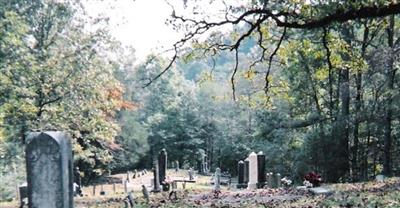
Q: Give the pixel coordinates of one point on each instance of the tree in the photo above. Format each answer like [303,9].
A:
[263,18]
[57,75]
[320,78]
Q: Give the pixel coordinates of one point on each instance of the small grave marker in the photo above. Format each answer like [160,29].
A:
[278,180]
[217,179]
[102,192]
[125,186]
[176,165]
[145,193]
[379,178]
[131,199]
[23,194]
[190,172]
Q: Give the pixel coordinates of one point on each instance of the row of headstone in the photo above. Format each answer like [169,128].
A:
[252,174]
[135,174]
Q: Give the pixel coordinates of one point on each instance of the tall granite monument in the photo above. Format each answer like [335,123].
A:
[261,169]
[162,165]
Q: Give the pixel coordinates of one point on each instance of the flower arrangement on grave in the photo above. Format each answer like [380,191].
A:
[286,181]
[216,193]
[314,178]
[307,184]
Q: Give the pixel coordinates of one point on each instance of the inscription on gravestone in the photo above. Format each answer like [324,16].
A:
[49,170]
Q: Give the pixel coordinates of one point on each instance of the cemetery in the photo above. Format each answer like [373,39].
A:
[199,104]
[53,182]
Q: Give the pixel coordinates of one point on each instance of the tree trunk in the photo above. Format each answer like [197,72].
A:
[357,109]
[387,123]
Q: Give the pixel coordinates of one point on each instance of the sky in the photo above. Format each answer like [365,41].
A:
[141,23]
[137,23]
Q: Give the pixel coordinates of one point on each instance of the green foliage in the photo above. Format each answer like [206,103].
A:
[56,75]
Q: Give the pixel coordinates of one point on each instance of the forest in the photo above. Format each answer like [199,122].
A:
[312,84]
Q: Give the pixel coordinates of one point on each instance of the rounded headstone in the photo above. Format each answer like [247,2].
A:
[49,170]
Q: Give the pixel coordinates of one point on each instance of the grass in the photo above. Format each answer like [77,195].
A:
[200,194]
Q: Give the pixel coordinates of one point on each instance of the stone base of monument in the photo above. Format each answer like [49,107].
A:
[155,190]
[252,186]
[241,186]
[320,191]
[261,185]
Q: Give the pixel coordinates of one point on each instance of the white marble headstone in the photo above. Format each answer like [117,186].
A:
[253,171]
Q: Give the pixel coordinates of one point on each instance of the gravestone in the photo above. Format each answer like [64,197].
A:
[126,203]
[125,186]
[270,180]
[146,195]
[241,172]
[162,165]
[246,171]
[23,194]
[379,178]
[128,175]
[102,192]
[261,169]
[217,179]
[134,174]
[203,164]
[156,180]
[49,170]
[278,180]
[200,167]
[191,174]
[78,181]
[206,168]
[94,190]
[131,199]
[253,171]
[176,165]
